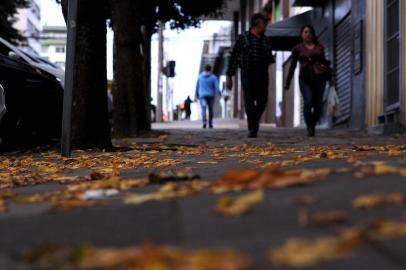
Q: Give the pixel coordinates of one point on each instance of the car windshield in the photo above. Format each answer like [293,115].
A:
[32,58]
[39,60]
[43,61]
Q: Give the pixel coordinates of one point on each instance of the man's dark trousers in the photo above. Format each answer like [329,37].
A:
[255,87]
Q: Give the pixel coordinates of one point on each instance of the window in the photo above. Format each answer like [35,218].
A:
[392,54]
[60,49]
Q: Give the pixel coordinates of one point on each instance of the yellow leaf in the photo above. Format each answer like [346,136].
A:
[228,206]
[376,200]
[305,253]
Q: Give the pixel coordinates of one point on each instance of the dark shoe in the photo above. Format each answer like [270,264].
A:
[252,134]
[210,126]
[311,131]
[204,126]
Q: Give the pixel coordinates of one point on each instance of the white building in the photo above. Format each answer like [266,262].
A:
[29,24]
[53,42]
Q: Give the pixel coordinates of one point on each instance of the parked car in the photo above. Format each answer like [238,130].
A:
[8,49]
[34,101]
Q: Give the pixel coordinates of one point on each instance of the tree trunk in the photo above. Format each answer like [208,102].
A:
[90,126]
[130,90]
[147,39]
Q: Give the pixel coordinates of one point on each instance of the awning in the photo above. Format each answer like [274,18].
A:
[284,35]
[307,3]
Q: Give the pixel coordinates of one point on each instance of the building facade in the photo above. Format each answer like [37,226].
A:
[365,41]
[385,65]
[29,24]
[53,43]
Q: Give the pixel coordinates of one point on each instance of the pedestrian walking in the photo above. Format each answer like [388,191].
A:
[187,106]
[206,89]
[314,73]
[252,52]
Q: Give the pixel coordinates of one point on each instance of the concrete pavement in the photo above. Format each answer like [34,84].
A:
[192,223]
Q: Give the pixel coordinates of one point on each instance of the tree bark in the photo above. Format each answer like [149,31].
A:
[131,96]
[90,126]
[145,122]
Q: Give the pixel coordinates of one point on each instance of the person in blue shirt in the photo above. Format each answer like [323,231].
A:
[206,89]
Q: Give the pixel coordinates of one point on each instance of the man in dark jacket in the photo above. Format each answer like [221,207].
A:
[188,110]
[253,54]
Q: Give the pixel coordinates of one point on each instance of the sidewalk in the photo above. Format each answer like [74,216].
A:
[197,124]
[191,222]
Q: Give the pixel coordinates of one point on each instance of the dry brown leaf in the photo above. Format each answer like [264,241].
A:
[321,218]
[74,195]
[378,169]
[395,153]
[251,161]
[173,176]
[64,206]
[306,253]
[276,179]
[305,200]
[168,191]
[4,196]
[383,229]
[369,148]
[376,200]
[209,162]
[237,206]
[145,257]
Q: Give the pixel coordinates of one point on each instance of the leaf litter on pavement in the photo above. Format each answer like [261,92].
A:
[105,170]
[302,252]
[144,257]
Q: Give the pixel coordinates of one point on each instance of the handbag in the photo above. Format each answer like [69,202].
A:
[333,103]
[320,70]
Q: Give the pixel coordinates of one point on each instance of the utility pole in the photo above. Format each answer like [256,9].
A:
[159,109]
[70,78]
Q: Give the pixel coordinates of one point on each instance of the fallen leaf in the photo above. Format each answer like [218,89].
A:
[172,176]
[378,169]
[275,179]
[168,191]
[305,200]
[306,253]
[383,229]
[376,200]
[321,218]
[4,196]
[229,206]
[64,206]
[369,148]
[145,257]
[209,162]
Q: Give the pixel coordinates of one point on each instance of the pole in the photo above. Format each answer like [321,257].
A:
[160,70]
[66,139]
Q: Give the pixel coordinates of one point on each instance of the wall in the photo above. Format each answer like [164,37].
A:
[374,61]
[357,120]
[403,93]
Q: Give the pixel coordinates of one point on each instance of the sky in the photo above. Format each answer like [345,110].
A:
[51,13]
